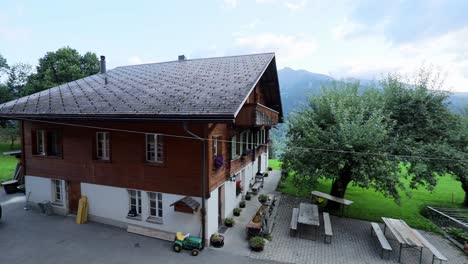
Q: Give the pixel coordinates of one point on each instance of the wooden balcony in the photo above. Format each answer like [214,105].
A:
[257,115]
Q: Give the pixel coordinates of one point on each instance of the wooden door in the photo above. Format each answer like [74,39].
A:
[74,195]
[220,204]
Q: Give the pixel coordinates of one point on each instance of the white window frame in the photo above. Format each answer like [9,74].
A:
[105,146]
[156,147]
[40,142]
[234,147]
[215,146]
[57,192]
[134,194]
[241,142]
[158,207]
[262,136]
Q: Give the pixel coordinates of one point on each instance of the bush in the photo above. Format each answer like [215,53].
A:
[229,222]
[242,204]
[458,234]
[237,211]
[257,243]
[263,198]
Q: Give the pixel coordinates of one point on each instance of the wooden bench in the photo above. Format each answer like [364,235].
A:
[256,187]
[435,253]
[328,228]
[293,227]
[382,239]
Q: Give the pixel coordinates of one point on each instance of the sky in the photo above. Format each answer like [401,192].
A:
[359,39]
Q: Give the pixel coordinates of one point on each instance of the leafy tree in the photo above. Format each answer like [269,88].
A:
[342,119]
[10,132]
[18,75]
[3,64]
[62,66]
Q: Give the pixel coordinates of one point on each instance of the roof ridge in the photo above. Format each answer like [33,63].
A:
[208,58]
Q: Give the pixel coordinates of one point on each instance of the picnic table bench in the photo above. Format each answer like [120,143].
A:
[435,253]
[308,215]
[293,226]
[341,201]
[381,237]
[328,228]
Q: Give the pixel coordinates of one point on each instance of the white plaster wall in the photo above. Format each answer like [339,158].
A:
[231,201]
[264,162]
[112,203]
[212,213]
[40,190]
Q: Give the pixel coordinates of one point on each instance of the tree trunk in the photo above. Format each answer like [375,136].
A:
[339,188]
[465,188]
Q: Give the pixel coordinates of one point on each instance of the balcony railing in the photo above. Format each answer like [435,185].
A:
[257,115]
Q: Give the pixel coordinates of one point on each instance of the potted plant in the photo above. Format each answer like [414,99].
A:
[229,222]
[265,174]
[217,240]
[242,204]
[238,188]
[218,162]
[270,168]
[256,243]
[263,198]
[247,197]
[237,211]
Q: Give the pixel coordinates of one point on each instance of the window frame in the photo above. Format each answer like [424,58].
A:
[158,148]
[57,188]
[138,204]
[106,146]
[158,207]
[41,147]
[215,146]
[234,154]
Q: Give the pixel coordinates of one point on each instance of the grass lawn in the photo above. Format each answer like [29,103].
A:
[371,205]
[7,163]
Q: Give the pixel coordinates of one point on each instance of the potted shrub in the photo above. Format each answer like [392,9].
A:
[256,243]
[265,175]
[217,240]
[238,188]
[229,222]
[270,168]
[242,204]
[263,198]
[247,197]
[237,211]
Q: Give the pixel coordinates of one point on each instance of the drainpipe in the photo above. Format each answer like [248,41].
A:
[203,209]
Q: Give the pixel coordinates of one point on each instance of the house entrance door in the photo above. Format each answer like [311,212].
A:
[74,195]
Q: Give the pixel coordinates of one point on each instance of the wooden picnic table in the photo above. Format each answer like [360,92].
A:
[308,215]
[405,235]
[341,201]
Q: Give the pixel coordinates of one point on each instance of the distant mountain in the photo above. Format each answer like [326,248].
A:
[296,85]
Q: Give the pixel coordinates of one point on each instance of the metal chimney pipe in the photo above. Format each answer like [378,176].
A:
[103,64]
[182,58]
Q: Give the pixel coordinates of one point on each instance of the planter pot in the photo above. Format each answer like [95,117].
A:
[236,214]
[228,224]
[247,198]
[242,206]
[218,243]
[257,249]
[265,175]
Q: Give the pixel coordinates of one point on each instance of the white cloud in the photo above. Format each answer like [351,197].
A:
[442,52]
[295,5]
[230,3]
[288,47]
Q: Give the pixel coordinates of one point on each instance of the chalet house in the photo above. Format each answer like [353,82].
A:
[158,145]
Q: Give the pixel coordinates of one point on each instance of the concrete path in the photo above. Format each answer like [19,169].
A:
[29,237]
[236,237]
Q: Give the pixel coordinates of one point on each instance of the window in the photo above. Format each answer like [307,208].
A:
[242,142]
[252,134]
[102,146]
[155,206]
[47,143]
[215,146]
[247,136]
[40,142]
[135,201]
[262,136]
[154,148]
[233,147]
[57,192]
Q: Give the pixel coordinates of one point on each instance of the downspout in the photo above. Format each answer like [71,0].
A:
[203,209]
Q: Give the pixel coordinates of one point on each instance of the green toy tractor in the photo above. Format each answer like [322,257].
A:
[187,242]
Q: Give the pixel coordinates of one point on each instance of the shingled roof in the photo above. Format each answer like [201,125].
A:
[211,88]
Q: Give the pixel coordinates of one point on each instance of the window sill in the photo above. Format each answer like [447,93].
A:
[47,156]
[154,164]
[236,158]
[154,220]
[137,218]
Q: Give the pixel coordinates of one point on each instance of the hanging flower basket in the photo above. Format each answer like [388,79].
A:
[218,162]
